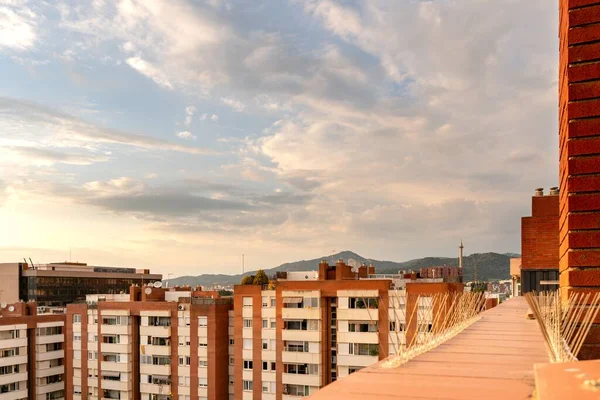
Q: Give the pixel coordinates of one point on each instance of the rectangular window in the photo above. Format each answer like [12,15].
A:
[77,338]
[247,323]
[364,349]
[247,386]
[76,318]
[273,323]
[248,364]
[363,302]
[265,344]
[202,321]
[273,301]
[203,363]
[265,323]
[231,360]
[265,387]
[265,366]
[203,382]
[296,390]
[362,326]
[247,301]
[247,345]
[265,302]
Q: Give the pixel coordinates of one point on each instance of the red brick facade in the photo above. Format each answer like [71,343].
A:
[539,234]
[579,124]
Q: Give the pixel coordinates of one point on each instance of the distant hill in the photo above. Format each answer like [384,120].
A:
[490,266]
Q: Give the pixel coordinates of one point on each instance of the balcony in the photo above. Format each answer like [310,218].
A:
[10,343]
[300,335]
[115,329]
[148,349]
[115,366]
[42,373]
[301,313]
[17,395]
[358,314]
[10,378]
[50,355]
[301,358]
[20,359]
[301,379]
[50,339]
[155,389]
[493,359]
[115,385]
[115,348]
[156,331]
[151,369]
[53,387]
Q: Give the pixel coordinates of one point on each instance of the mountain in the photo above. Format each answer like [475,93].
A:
[490,266]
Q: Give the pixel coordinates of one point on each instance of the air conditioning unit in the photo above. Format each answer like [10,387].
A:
[181,307]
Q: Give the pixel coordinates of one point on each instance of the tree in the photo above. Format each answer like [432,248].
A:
[247,280]
[261,278]
[225,293]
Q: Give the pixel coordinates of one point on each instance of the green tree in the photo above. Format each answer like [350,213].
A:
[261,278]
[225,293]
[247,280]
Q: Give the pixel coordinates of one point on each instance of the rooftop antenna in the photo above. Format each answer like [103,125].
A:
[31,262]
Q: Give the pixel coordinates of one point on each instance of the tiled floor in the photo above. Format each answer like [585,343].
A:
[492,359]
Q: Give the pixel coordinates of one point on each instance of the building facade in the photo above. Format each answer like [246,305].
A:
[58,284]
[539,243]
[153,344]
[311,329]
[32,352]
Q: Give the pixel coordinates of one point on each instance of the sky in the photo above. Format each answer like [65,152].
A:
[177,135]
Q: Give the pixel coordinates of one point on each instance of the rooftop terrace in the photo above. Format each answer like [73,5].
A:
[493,359]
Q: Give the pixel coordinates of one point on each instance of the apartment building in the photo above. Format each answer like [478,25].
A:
[313,328]
[31,352]
[152,344]
[57,284]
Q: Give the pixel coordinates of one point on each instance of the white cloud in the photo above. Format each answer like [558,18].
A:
[152,175]
[203,117]
[189,114]
[214,117]
[147,69]
[17,27]
[186,135]
[235,104]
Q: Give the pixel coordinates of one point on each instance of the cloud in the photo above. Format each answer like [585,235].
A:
[152,175]
[47,156]
[185,135]
[235,104]
[189,113]
[214,117]
[22,120]
[17,27]
[150,71]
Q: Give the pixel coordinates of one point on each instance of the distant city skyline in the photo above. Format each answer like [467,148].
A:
[178,135]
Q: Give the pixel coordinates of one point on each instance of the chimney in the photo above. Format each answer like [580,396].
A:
[539,192]
[554,191]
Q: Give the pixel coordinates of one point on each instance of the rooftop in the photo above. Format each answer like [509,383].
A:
[493,359]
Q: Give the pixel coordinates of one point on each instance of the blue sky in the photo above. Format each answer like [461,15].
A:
[179,134]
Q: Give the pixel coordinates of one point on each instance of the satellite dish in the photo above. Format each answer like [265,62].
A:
[11,308]
[148,290]
[3,305]
[157,284]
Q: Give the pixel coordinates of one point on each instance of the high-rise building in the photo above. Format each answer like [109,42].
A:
[31,352]
[58,284]
[579,143]
[539,243]
[310,328]
[152,344]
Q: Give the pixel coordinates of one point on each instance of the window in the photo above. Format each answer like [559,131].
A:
[313,324]
[273,301]
[265,387]
[202,321]
[76,389]
[364,349]
[247,323]
[265,344]
[181,380]
[265,323]
[231,360]
[76,318]
[301,369]
[296,390]
[247,301]
[202,382]
[49,331]
[203,363]
[293,302]
[247,345]
[77,337]
[301,325]
[311,302]
[354,369]
[159,321]
[362,326]
[231,341]
[295,346]
[9,369]
[77,354]
[363,302]
[248,364]
[247,386]
[265,366]
[273,323]
[392,326]
[184,360]
[265,302]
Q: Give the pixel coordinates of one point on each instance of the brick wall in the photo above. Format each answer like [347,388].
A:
[579,124]
[539,234]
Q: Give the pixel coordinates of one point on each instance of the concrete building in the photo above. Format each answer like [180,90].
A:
[579,143]
[31,352]
[153,344]
[316,327]
[58,284]
[539,243]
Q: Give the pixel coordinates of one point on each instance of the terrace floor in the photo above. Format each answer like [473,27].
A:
[491,359]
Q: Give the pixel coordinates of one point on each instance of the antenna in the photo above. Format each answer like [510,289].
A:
[31,262]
